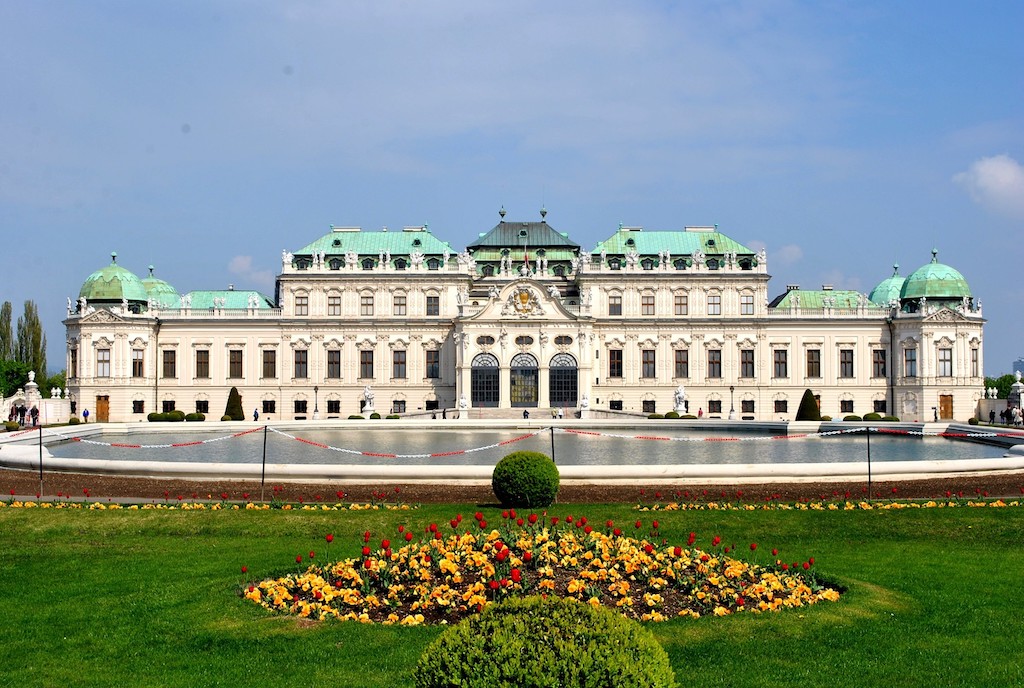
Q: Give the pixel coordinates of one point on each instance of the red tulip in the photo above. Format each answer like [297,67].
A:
[648,548]
[453,523]
[298,558]
[483,524]
[312,554]
[516,576]
[366,536]
[807,565]
[691,539]
[608,523]
[408,536]
[493,585]
[478,516]
[329,538]
[368,564]
[740,601]
[504,514]
[587,530]
[677,551]
[519,521]
[401,529]
[568,519]
[366,551]
[617,532]
[245,569]
[532,519]
[527,556]
[385,543]
[654,524]
[753,546]
[715,541]
[775,552]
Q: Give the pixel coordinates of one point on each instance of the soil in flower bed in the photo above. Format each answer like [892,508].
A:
[103,487]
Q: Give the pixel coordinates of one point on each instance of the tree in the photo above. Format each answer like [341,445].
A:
[808,407]
[6,335]
[58,380]
[1002,384]
[13,376]
[234,408]
[30,347]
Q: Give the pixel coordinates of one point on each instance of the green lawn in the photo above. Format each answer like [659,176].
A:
[150,598]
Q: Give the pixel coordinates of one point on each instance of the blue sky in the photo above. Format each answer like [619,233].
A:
[205,137]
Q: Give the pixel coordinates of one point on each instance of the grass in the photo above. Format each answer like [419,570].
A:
[99,598]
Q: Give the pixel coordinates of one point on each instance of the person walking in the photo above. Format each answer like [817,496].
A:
[255,414]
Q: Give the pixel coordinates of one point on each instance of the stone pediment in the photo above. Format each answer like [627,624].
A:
[523,299]
[947,315]
[101,316]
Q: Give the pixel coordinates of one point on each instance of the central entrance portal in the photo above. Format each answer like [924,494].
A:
[524,381]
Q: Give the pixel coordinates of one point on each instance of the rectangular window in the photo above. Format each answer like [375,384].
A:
[366,304]
[879,406]
[746,304]
[269,406]
[714,304]
[169,364]
[235,363]
[334,364]
[945,363]
[648,364]
[202,406]
[269,364]
[910,363]
[615,405]
[333,305]
[398,406]
[138,406]
[300,407]
[682,305]
[714,406]
[202,364]
[747,406]
[781,406]
[166,406]
[615,363]
[333,407]
[975,363]
[102,362]
[781,362]
[846,363]
[682,363]
[366,365]
[74,363]
[433,363]
[138,363]
[399,304]
[649,406]
[614,304]
[746,363]
[846,406]
[301,305]
[301,364]
[647,304]
[433,305]
[878,363]
[714,363]
[398,365]
[814,363]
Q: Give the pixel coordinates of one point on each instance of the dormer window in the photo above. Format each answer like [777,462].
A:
[400,264]
[630,242]
[712,263]
[334,264]
[614,264]
[417,242]
[367,263]
[488,271]
[433,264]
[680,264]
[647,264]
[336,242]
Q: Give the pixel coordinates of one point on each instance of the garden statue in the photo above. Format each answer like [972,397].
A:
[680,399]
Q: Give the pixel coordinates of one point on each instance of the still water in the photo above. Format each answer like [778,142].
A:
[569,448]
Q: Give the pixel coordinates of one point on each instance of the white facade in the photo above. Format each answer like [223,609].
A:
[588,332]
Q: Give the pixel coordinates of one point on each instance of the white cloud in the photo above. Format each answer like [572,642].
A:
[258,279]
[995,183]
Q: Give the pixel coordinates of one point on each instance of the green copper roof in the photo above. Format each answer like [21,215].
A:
[114,284]
[935,281]
[341,240]
[232,299]
[889,288]
[678,243]
[815,299]
[512,235]
[160,292]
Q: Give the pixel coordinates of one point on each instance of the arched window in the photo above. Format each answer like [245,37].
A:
[524,381]
[485,386]
[563,386]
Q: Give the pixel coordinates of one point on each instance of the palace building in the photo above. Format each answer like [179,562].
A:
[524,318]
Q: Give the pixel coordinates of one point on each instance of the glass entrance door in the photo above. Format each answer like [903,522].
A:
[524,392]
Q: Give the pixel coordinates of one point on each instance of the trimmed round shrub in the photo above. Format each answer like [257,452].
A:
[972,421]
[688,416]
[672,414]
[852,417]
[11,425]
[525,479]
[656,416]
[873,416]
[356,416]
[225,417]
[393,416]
[73,420]
[374,416]
[175,416]
[826,418]
[890,419]
[155,417]
[533,642]
[194,417]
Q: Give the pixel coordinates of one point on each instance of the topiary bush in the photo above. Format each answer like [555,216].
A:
[225,417]
[11,425]
[852,417]
[672,414]
[73,420]
[688,416]
[525,479]
[808,407]
[826,418]
[234,411]
[155,417]
[194,417]
[873,416]
[356,416]
[533,642]
[890,419]
[393,416]
[655,416]
[374,416]
[175,416]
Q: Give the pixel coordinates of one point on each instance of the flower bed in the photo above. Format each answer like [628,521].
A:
[441,577]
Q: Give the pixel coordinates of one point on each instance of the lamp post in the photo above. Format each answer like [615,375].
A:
[316,405]
[732,406]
